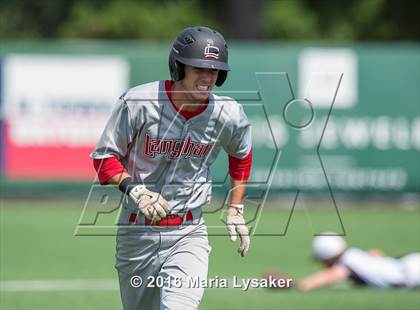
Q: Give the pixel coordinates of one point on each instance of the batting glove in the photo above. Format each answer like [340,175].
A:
[236,226]
[151,204]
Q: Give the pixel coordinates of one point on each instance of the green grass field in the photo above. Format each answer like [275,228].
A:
[37,243]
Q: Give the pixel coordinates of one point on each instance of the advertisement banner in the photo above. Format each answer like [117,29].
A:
[354,124]
[345,117]
[55,108]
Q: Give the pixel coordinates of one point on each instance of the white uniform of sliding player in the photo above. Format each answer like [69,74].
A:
[382,271]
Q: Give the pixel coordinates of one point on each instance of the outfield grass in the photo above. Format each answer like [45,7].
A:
[37,243]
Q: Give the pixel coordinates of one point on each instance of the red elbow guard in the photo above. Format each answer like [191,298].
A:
[106,168]
[240,168]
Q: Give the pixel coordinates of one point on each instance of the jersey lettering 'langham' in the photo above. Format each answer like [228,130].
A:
[173,149]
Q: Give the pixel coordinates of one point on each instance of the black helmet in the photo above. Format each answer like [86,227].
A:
[200,47]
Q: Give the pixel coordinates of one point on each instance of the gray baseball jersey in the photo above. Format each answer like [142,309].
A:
[166,152]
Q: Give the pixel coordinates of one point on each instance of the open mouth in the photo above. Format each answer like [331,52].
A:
[203,87]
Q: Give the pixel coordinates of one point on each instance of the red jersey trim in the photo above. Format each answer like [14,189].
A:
[106,168]
[185,114]
[240,168]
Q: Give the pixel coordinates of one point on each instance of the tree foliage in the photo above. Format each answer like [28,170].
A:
[132,19]
[348,20]
[342,20]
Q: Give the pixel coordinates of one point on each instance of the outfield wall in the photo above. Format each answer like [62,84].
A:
[56,97]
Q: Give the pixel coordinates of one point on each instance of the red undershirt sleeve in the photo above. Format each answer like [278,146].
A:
[106,168]
[240,168]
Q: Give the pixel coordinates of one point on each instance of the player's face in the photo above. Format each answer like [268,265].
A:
[331,262]
[199,82]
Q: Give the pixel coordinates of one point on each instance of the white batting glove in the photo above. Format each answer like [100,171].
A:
[151,204]
[236,226]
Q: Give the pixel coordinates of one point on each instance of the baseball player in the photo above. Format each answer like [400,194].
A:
[367,268]
[157,148]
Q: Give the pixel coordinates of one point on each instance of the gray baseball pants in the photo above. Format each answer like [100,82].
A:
[164,258]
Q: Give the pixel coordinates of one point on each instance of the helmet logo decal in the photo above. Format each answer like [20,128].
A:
[211,51]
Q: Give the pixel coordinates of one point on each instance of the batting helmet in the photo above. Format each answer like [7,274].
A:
[327,246]
[200,47]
